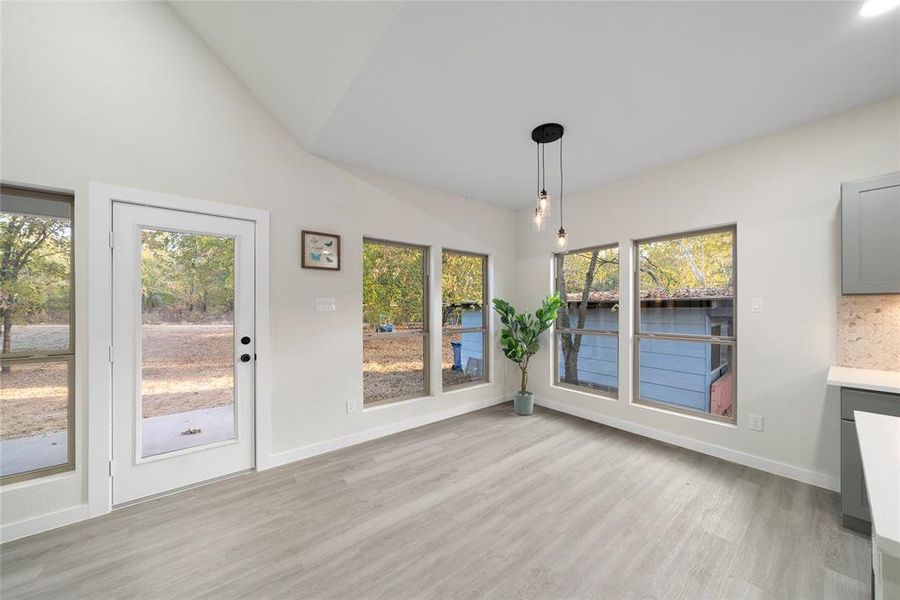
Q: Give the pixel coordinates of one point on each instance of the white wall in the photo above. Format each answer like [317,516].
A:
[124,93]
[783,192]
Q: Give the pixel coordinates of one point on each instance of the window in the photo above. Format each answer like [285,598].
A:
[684,322]
[587,329]
[464,318]
[37,365]
[395,321]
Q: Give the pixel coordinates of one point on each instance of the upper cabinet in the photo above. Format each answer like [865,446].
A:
[870,235]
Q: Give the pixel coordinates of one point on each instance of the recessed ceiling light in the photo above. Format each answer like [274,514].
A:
[873,8]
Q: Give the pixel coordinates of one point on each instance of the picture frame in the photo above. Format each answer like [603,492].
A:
[319,250]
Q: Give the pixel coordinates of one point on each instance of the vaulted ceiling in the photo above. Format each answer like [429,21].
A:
[446,93]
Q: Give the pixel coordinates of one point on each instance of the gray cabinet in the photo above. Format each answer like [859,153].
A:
[854,500]
[870,235]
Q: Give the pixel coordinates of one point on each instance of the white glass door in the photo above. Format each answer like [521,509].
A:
[183,349]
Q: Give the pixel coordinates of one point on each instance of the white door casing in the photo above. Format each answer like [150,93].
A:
[137,472]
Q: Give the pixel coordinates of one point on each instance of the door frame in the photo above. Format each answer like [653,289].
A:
[99,402]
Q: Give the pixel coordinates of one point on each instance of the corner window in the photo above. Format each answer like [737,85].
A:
[587,329]
[684,342]
[37,365]
[464,318]
[395,321]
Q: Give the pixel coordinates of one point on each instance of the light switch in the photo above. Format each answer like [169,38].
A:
[756,304]
[325,305]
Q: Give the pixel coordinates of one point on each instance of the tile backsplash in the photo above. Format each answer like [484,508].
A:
[869,332]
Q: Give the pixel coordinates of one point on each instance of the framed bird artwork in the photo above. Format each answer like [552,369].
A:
[320,250]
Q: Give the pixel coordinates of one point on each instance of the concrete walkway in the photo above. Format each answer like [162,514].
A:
[160,435]
[36,452]
[164,434]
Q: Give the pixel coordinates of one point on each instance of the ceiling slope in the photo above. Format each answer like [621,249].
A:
[445,94]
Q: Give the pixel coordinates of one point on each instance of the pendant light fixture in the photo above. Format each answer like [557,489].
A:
[542,135]
[540,212]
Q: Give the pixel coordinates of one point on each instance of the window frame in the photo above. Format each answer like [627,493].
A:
[425,334]
[637,335]
[558,258]
[485,315]
[68,355]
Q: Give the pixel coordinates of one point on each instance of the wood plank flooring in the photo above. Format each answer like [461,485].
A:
[484,505]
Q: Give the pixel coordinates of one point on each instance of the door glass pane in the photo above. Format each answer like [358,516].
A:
[462,357]
[687,284]
[187,340]
[34,416]
[686,374]
[589,361]
[35,272]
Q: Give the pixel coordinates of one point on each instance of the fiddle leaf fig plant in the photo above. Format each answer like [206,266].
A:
[521,332]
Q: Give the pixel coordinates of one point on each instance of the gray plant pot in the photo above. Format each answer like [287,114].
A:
[523,403]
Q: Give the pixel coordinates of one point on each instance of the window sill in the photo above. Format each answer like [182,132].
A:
[465,387]
[584,392]
[398,402]
[61,475]
[685,413]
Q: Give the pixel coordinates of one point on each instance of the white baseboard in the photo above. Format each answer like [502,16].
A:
[736,456]
[289,456]
[39,524]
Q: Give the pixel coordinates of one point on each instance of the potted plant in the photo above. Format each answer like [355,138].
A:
[520,340]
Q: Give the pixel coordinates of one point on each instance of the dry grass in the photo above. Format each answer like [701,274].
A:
[186,367]
[33,399]
[392,368]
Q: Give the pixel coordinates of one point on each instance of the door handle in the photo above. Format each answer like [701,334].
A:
[245,358]
[245,340]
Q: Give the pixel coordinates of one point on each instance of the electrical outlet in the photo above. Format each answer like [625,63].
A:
[351,405]
[756,423]
[757,305]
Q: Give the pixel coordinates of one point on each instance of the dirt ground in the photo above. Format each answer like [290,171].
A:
[186,367]
[393,368]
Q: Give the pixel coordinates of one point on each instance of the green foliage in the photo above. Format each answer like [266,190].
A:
[187,277]
[462,283]
[520,335]
[599,267]
[34,268]
[393,284]
[698,261]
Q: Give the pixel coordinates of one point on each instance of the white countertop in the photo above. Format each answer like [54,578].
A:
[879,444]
[865,379]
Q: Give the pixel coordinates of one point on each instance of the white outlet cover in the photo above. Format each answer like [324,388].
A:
[756,423]
[756,305]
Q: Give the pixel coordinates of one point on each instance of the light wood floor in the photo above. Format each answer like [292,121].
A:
[484,505]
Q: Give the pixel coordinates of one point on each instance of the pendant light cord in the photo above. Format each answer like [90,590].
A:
[543,169]
[538,148]
[560,185]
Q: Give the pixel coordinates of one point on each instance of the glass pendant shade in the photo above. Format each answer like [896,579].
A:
[538,220]
[544,201]
[562,240]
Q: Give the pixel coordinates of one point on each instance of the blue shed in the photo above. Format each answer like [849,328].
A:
[468,315]
[680,373]
[472,345]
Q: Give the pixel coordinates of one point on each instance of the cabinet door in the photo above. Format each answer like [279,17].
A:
[854,500]
[879,403]
[870,235]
